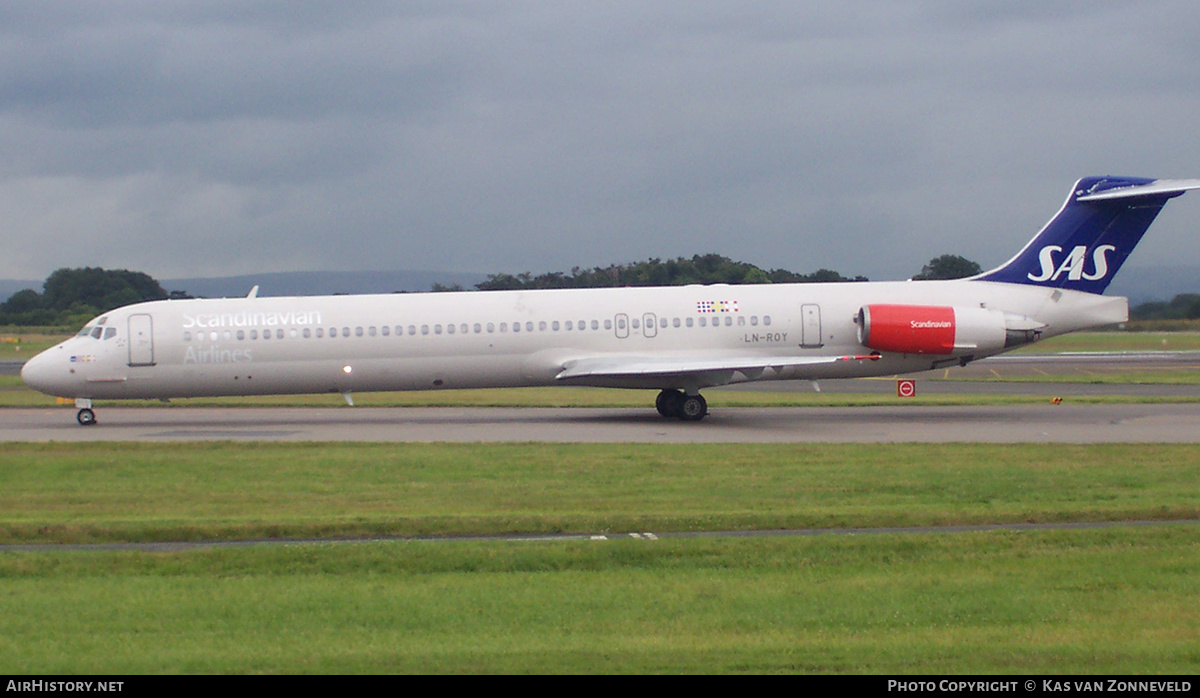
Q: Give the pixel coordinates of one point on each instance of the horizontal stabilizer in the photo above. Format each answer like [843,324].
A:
[1170,187]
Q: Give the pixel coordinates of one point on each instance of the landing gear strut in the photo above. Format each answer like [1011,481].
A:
[674,403]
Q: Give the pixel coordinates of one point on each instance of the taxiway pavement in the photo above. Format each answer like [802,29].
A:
[1078,423]
[1105,423]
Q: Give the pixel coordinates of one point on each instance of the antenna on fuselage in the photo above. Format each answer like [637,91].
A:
[253,292]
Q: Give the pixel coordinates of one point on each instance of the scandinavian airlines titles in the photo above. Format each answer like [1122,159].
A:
[248,319]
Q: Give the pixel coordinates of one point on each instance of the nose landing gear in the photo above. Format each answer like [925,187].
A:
[85,416]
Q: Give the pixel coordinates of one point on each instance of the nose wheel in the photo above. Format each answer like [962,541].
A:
[85,416]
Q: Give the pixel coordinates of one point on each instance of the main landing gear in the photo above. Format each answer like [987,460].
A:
[675,403]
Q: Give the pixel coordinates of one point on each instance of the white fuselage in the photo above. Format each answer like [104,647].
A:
[343,344]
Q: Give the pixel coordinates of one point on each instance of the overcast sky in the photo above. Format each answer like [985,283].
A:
[214,138]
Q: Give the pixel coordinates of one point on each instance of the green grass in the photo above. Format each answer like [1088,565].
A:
[1117,341]
[1156,377]
[62,492]
[1112,601]
[16,344]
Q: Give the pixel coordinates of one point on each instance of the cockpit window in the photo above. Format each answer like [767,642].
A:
[96,332]
[85,331]
[110,332]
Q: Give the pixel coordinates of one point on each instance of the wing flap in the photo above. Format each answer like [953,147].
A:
[647,366]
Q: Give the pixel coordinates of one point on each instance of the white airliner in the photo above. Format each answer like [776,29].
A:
[678,340]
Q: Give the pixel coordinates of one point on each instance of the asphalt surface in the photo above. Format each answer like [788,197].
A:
[175,546]
[1046,422]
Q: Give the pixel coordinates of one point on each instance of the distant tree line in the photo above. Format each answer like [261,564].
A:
[73,296]
[1185,306]
[699,269]
[948,266]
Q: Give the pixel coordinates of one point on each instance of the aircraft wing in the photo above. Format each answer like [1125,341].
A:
[640,366]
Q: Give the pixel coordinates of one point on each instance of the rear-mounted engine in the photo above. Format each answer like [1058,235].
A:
[941,330]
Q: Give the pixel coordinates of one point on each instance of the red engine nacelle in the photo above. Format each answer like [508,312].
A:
[930,329]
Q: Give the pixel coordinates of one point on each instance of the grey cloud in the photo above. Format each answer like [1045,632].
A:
[190,138]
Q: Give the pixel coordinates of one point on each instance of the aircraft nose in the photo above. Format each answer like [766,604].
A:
[48,372]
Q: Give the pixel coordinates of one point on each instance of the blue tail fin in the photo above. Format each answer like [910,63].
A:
[1083,246]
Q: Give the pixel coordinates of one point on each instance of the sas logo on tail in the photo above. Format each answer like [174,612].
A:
[1073,264]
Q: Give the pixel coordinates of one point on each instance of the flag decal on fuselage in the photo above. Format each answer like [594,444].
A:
[716,306]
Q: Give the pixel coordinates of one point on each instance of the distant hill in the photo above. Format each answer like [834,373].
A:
[299,283]
[320,283]
[1139,284]
[1157,283]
